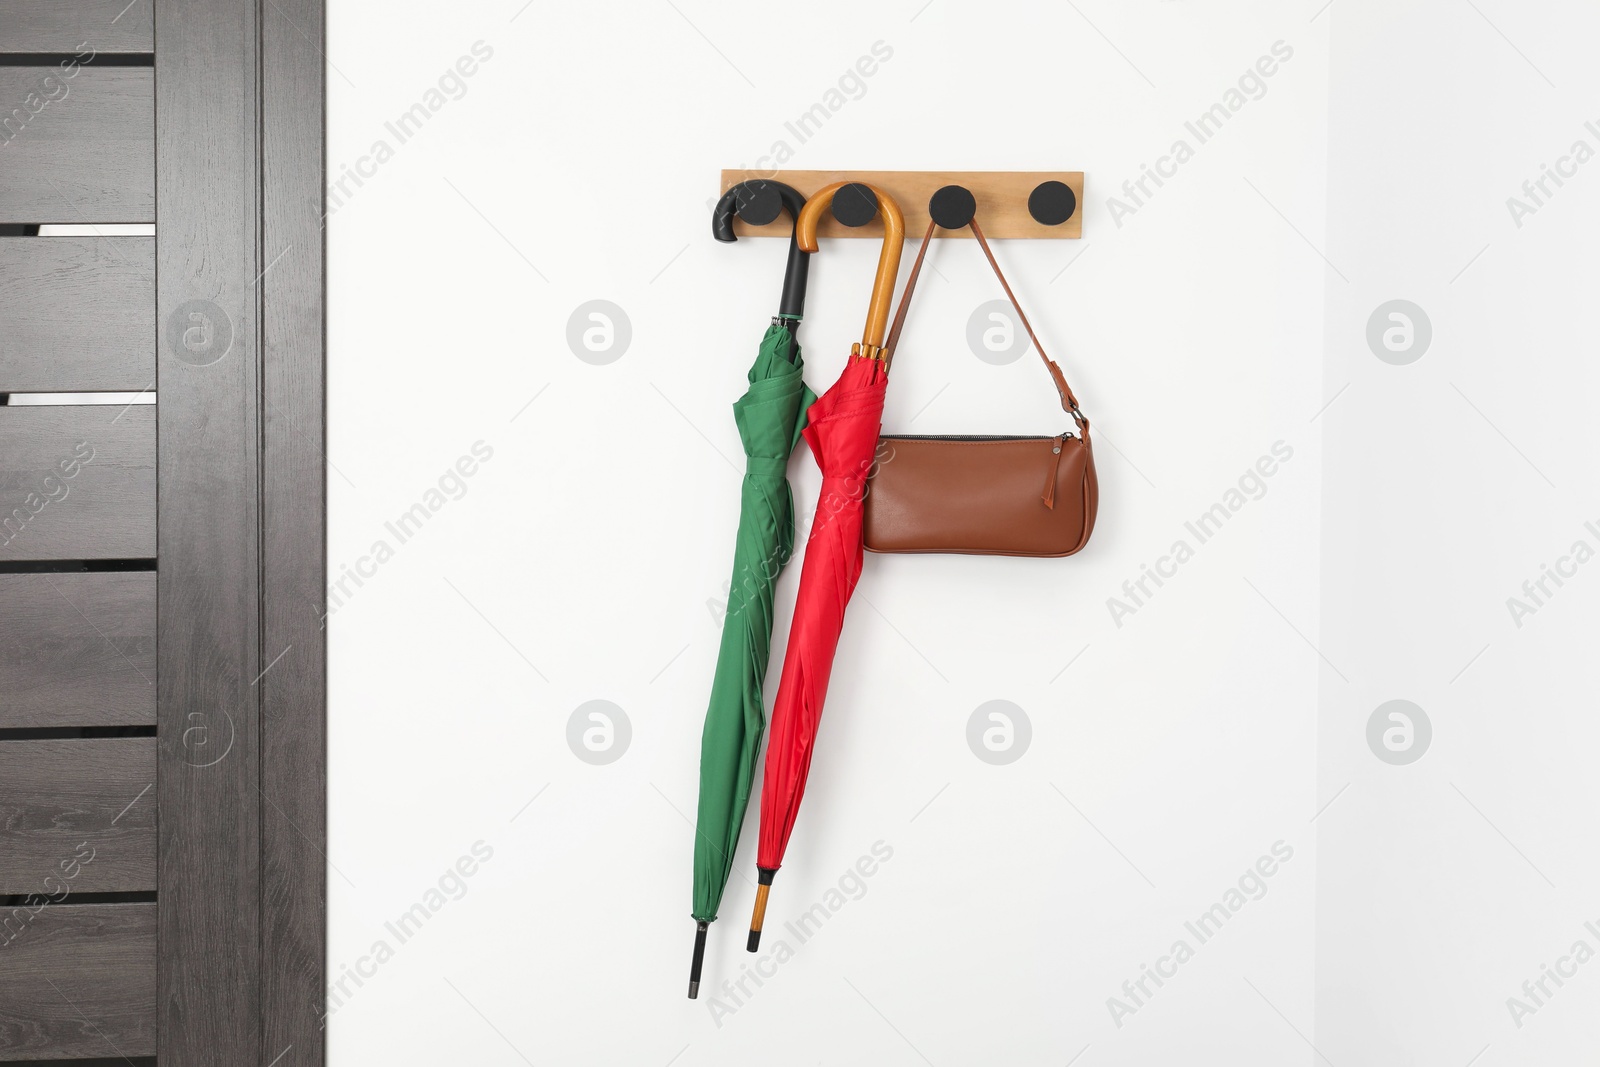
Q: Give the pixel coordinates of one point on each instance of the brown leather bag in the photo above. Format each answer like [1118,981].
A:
[982,495]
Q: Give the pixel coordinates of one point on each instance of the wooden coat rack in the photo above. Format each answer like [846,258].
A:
[1010,203]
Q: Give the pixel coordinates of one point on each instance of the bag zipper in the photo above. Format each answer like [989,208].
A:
[978,437]
[1058,443]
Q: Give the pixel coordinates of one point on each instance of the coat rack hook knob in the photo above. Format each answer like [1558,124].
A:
[855,205]
[759,203]
[952,207]
[1052,203]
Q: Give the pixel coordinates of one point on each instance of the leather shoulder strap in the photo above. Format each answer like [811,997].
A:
[1069,402]
[905,299]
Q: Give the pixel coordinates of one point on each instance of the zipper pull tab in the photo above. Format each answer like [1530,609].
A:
[1055,469]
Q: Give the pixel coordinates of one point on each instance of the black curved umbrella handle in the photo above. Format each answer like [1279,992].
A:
[758,202]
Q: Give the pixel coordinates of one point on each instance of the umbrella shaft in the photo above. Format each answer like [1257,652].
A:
[758,917]
[699,959]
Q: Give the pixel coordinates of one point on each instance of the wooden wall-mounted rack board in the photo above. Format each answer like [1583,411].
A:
[1011,203]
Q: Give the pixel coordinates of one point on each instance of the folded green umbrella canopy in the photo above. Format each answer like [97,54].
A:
[770,416]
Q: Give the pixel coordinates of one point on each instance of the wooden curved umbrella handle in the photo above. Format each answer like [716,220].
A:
[894,233]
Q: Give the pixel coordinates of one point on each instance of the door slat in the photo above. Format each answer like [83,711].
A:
[77,981]
[78,149]
[77,816]
[77,483]
[67,27]
[78,649]
[77,314]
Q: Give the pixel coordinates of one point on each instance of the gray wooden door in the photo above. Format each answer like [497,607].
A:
[162,696]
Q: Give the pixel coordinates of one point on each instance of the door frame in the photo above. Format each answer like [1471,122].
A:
[241,675]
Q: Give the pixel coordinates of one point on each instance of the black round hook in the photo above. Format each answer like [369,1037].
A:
[758,202]
[1052,203]
[952,207]
[855,205]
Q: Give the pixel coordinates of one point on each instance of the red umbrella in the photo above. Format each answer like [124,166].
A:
[842,430]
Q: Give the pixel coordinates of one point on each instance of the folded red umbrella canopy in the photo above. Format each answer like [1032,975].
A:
[842,430]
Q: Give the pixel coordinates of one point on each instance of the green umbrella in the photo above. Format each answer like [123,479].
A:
[770,416]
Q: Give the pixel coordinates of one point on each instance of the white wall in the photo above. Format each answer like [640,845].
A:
[1445,884]
[1173,752]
